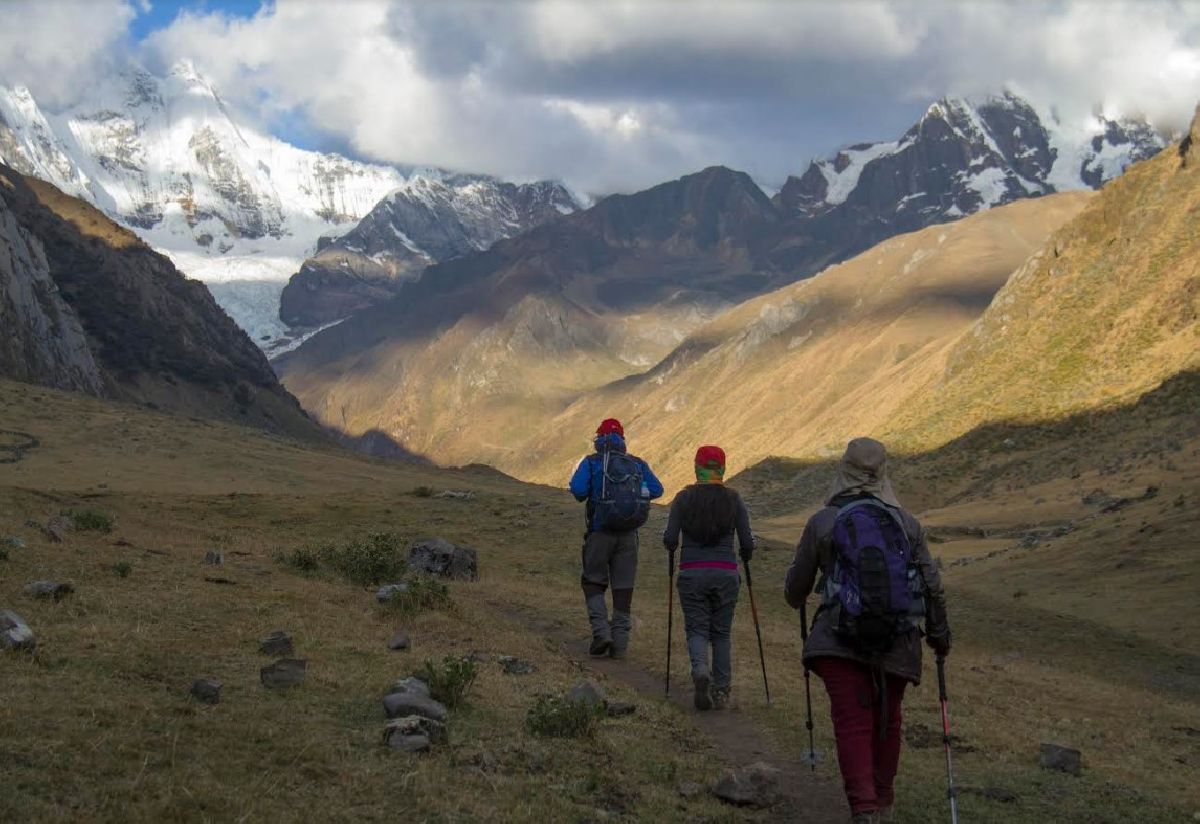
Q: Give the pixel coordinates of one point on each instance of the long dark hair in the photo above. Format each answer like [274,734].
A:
[708,512]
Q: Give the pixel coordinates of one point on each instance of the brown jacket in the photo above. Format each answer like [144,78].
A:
[814,554]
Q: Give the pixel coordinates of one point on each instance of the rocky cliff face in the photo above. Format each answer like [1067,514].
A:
[95,309]
[427,221]
[43,341]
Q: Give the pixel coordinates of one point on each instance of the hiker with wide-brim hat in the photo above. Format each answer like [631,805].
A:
[617,488]
[707,515]
[878,583]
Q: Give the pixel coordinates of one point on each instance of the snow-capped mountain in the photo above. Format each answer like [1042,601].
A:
[428,221]
[964,156]
[229,204]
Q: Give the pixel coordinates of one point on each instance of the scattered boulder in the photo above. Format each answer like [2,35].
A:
[587,692]
[278,643]
[455,495]
[408,743]
[1063,759]
[13,542]
[284,673]
[387,591]
[689,789]
[15,634]
[410,686]
[754,786]
[400,641]
[55,590]
[58,527]
[480,657]
[516,666]
[436,556]
[619,709]
[409,725]
[214,558]
[401,704]
[206,690]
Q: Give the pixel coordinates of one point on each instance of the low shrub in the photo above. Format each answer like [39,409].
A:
[553,716]
[423,491]
[122,569]
[378,558]
[425,593]
[91,520]
[450,682]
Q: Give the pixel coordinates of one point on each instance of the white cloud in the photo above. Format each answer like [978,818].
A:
[621,94]
[58,48]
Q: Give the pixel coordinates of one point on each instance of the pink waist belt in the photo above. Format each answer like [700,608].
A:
[709,565]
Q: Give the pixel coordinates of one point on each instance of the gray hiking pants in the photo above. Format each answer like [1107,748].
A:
[610,559]
[708,598]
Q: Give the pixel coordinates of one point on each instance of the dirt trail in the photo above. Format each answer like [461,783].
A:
[808,797]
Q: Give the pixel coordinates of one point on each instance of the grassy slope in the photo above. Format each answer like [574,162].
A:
[98,725]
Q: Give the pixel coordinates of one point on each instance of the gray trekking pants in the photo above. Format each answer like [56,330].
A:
[610,559]
[708,598]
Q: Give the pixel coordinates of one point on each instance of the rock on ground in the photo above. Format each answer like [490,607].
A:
[1063,759]
[408,743]
[689,789]
[400,641]
[14,632]
[516,666]
[410,725]
[13,542]
[410,686]
[206,690]
[48,589]
[619,709]
[57,528]
[278,643]
[284,673]
[401,704]
[385,592]
[587,692]
[756,785]
[440,557]
[213,558]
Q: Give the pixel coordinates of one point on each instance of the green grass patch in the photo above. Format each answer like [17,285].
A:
[375,559]
[91,520]
[122,569]
[425,594]
[451,681]
[553,716]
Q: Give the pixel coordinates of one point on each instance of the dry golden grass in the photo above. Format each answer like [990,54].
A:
[98,725]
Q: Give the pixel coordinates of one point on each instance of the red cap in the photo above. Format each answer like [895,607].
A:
[710,457]
[610,425]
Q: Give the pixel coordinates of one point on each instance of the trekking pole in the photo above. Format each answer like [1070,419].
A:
[941,670]
[757,629]
[812,752]
[670,614]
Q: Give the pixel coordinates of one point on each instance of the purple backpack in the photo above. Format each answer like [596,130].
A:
[875,592]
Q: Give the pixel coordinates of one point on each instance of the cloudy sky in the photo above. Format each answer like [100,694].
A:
[616,95]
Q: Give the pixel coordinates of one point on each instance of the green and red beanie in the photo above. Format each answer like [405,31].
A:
[710,465]
[610,426]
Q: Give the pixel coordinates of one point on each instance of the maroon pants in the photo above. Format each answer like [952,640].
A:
[868,761]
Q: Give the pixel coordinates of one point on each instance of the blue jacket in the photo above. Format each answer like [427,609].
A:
[589,475]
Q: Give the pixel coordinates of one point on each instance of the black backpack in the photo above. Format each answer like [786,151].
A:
[622,504]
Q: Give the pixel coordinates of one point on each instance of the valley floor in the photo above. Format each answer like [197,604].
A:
[1051,645]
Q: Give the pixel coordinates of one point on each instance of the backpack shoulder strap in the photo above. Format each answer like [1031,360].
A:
[892,512]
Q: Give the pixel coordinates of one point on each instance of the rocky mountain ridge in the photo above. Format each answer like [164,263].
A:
[231,205]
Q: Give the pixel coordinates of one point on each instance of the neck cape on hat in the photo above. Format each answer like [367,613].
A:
[863,470]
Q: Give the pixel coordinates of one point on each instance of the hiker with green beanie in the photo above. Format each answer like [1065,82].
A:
[878,584]
[707,514]
[617,488]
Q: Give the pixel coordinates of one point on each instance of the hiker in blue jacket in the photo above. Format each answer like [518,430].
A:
[618,488]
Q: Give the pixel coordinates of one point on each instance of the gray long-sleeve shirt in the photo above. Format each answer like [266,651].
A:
[718,554]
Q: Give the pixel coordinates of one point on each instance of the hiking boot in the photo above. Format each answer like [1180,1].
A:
[871,817]
[617,653]
[887,815]
[703,699]
[720,697]
[600,647]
